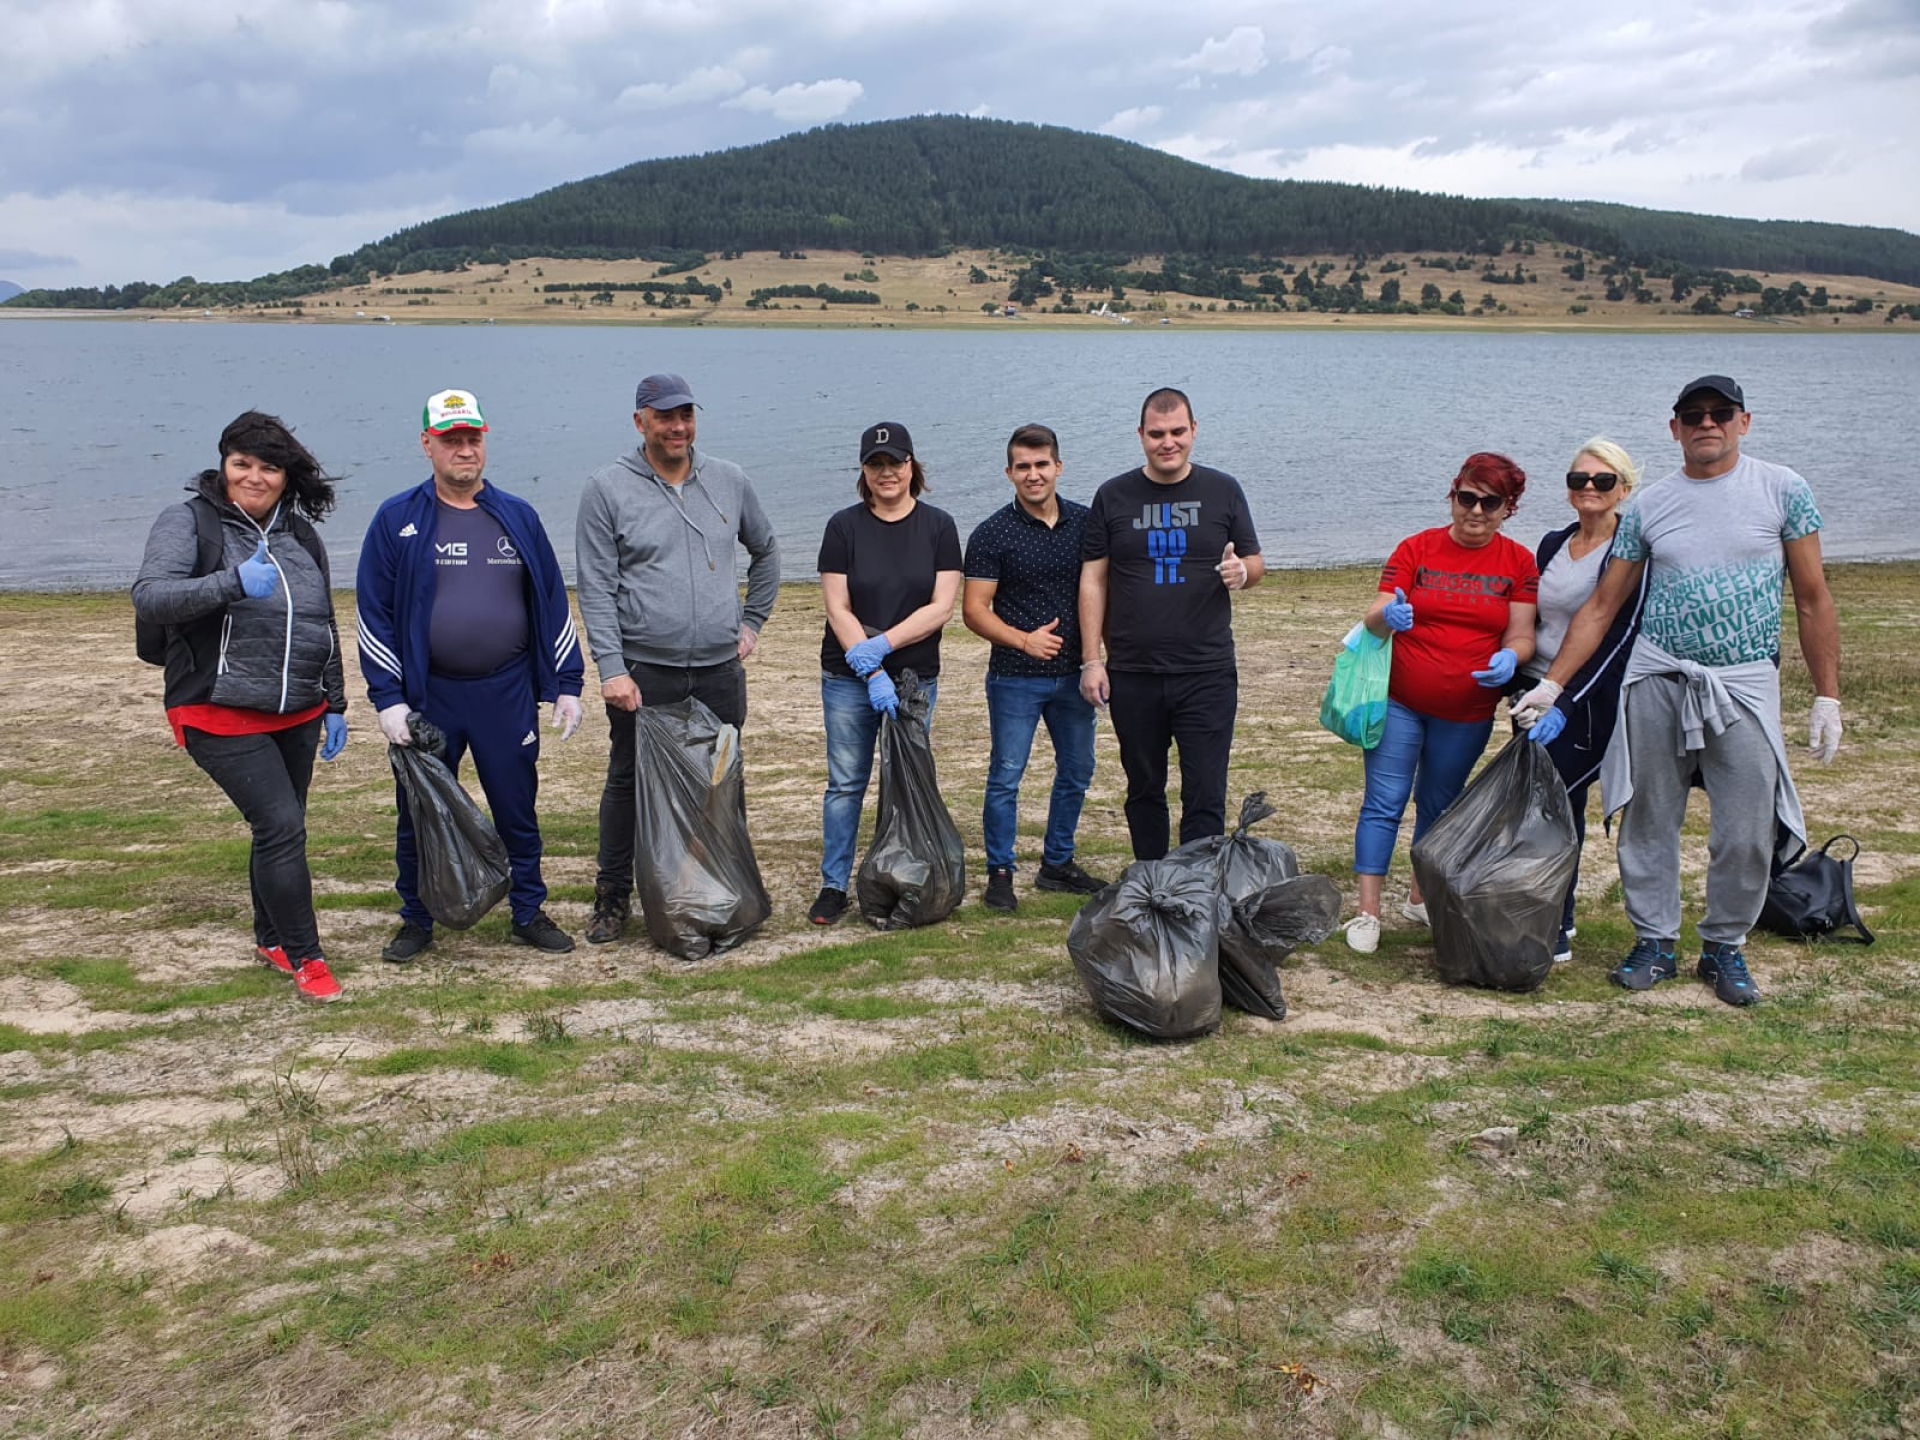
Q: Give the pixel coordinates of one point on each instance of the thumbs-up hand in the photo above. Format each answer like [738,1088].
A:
[1044,642]
[259,575]
[1232,569]
[1399,611]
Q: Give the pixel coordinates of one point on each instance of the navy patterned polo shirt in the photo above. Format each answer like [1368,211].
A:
[1037,571]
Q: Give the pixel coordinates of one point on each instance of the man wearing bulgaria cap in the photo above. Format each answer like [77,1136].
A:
[464,618]
[657,543]
[1700,698]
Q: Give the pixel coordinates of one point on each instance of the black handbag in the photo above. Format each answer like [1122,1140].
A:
[1812,899]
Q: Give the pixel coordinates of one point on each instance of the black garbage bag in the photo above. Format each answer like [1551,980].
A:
[915,870]
[1148,946]
[463,870]
[1272,910]
[699,883]
[1495,870]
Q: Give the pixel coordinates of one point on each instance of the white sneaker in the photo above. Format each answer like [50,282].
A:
[1416,911]
[1363,933]
[1572,931]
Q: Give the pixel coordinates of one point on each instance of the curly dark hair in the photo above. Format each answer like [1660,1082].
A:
[266,437]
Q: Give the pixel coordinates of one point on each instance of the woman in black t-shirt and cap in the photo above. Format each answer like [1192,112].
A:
[889,575]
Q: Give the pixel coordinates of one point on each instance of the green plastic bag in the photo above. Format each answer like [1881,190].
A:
[1355,705]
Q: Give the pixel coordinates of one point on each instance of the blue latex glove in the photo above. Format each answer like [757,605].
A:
[881,694]
[1399,611]
[258,575]
[865,657]
[1548,727]
[336,735]
[1499,669]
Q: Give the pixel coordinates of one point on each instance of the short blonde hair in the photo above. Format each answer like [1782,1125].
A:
[1614,457]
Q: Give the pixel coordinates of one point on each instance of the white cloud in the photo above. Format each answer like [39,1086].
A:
[799,104]
[1129,121]
[1242,52]
[712,82]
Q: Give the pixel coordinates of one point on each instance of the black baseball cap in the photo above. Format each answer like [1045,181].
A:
[886,438]
[1719,384]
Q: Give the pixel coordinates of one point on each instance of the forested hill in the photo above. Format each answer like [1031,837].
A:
[909,187]
[925,185]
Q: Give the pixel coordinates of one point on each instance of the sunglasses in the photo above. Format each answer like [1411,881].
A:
[1719,414]
[1469,499]
[1601,480]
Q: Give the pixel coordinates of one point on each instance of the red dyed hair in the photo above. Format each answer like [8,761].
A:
[1492,474]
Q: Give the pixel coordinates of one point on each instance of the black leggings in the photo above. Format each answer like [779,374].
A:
[266,777]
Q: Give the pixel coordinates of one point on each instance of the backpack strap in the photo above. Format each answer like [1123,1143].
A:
[206,530]
[1865,937]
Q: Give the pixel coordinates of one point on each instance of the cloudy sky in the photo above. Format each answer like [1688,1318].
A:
[225,138]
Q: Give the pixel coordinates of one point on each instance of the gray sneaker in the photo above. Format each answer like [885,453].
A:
[1725,968]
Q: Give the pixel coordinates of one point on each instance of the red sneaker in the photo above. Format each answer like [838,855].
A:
[276,957]
[314,981]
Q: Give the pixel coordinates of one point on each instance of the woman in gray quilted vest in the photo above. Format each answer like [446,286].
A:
[238,583]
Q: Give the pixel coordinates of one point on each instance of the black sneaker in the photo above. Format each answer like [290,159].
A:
[541,933]
[1646,965]
[407,942]
[1725,968]
[610,911]
[1000,894]
[828,906]
[1069,878]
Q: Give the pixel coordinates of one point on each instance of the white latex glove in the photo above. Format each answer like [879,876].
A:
[1823,729]
[393,724]
[566,715]
[1535,703]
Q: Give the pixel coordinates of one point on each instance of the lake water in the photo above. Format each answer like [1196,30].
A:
[1345,441]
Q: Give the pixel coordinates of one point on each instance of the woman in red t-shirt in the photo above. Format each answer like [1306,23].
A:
[1459,601]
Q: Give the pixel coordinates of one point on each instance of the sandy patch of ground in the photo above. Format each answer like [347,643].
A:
[43,1006]
[150,1193]
[161,1119]
[179,1252]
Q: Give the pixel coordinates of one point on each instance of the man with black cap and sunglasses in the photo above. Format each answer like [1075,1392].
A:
[656,546]
[1701,694]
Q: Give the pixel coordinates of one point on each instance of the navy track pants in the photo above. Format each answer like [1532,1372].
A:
[497,718]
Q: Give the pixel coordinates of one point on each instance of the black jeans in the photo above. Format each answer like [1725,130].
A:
[266,777]
[1152,712]
[721,688]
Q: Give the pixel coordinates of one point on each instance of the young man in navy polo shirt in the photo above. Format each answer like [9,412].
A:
[1022,594]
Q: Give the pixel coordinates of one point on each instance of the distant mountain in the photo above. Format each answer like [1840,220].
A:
[8,290]
[903,187]
[933,183]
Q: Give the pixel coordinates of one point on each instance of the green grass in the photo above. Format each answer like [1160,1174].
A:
[861,1184]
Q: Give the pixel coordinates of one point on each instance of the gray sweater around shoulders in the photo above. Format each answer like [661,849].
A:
[656,565]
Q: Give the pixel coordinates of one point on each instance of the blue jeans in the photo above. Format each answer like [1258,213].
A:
[1016,704]
[1419,757]
[853,729]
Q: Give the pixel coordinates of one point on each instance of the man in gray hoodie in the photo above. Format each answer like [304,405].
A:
[656,561]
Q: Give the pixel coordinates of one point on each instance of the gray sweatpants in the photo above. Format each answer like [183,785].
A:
[1738,769]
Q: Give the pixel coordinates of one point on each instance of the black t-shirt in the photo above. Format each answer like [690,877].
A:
[890,567]
[1166,608]
[479,619]
[1035,568]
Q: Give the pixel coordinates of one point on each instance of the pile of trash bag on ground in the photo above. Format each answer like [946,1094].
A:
[1163,946]
[463,870]
[1495,869]
[915,870]
[1148,947]
[700,886]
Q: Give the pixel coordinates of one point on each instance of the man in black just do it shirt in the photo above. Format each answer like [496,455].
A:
[1164,548]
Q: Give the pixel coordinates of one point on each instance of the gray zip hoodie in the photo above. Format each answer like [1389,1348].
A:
[656,564]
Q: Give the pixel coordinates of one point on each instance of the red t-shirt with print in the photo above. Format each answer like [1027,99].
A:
[1460,601]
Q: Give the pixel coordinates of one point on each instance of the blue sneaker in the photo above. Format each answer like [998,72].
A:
[1725,968]
[1646,965]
